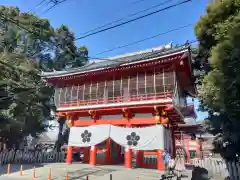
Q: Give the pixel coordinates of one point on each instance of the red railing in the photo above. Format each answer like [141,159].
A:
[118,99]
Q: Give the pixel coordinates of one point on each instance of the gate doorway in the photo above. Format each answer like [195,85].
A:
[181,153]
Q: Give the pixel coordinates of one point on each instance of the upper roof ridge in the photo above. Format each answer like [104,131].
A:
[133,57]
[158,48]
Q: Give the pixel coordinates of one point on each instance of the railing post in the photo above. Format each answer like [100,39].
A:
[164,88]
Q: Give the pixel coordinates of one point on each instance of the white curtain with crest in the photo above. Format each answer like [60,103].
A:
[88,136]
[146,138]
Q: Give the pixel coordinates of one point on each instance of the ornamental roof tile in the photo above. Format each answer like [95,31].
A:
[118,60]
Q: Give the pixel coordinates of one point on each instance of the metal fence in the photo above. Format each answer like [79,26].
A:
[25,157]
[219,167]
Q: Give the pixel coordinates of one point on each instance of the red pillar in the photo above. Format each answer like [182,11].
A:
[93,156]
[160,165]
[69,155]
[139,158]
[173,143]
[108,152]
[86,155]
[119,155]
[128,158]
[128,154]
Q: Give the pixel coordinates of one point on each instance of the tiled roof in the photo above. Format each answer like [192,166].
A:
[118,60]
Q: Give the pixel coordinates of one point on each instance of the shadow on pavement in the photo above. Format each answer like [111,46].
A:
[83,173]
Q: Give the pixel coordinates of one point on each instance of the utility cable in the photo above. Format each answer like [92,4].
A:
[55,3]
[36,6]
[129,5]
[128,16]
[132,20]
[107,59]
[16,23]
[136,2]
[145,39]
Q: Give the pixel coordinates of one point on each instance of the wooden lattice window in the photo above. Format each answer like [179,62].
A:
[74,93]
[159,82]
[80,92]
[109,88]
[133,86]
[150,84]
[141,85]
[125,88]
[101,90]
[86,93]
[117,88]
[94,89]
[169,81]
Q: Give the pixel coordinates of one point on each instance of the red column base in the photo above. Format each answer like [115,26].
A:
[93,158]
[86,155]
[128,158]
[108,152]
[69,155]
[119,155]
[160,165]
[139,158]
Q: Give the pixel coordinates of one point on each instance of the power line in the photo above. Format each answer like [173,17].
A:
[16,23]
[55,3]
[132,20]
[130,4]
[152,54]
[36,6]
[136,2]
[145,39]
[128,16]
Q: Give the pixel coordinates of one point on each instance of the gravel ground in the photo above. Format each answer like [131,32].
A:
[80,171]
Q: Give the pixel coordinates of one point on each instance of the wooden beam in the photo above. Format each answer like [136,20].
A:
[136,121]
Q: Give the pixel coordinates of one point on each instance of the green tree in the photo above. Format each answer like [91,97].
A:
[218,32]
[25,97]
[28,98]
[66,54]
[28,45]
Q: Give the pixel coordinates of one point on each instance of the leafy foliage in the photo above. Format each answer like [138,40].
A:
[67,55]
[219,85]
[29,45]
[27,97]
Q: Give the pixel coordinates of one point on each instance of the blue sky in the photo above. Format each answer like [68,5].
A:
[83,15]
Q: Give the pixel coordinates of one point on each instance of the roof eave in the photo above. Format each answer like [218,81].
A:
[76,72]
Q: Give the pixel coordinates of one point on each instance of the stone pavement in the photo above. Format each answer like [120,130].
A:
[80,171]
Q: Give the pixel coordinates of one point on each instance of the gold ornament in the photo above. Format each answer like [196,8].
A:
[164,120]
[92,112]
[158,118]
[164,113]
[157,114]
[126,113]
[69,123]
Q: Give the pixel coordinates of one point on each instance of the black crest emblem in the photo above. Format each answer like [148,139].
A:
[86,136]
[132,139]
